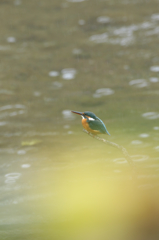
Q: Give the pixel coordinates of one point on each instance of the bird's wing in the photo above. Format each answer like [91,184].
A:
[97,125]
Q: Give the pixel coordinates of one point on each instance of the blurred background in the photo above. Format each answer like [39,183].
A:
[84,55]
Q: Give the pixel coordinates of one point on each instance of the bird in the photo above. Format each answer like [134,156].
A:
[92,123]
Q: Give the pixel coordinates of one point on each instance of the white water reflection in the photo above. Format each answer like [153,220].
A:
[126,31]
[144,135]
[3,123]
[8,134]
[5,91]
[140,158]
[146,25]
[21,152]
[7,107]
[11,114]
[120,160]
[57,85]
[125,41]
[4,48]
[103,92]
[50,99]
[81,22]
[67,114]
[117,171]
[136,142]
[66,126]
[154,68]
[150,115]
[70,132]
[25,165]
[121,40]
[156,148]
[68,73]
[23,199]
[17,2]
[7,150]
[124,35]
[156,128]
[139,83]
[155,17]
[12,177]
[152,32]
[37,94]
[77,51]
[99,38]
[103,19]
[126,67]
[154,79]
[11,39]
[53,73]
[32,133]
[152,165]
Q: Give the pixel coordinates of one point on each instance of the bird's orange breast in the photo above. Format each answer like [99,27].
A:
[86,126]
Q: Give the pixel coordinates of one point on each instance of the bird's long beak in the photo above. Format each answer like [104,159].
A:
[79,113]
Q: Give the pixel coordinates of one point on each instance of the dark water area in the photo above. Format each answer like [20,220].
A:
[84,55]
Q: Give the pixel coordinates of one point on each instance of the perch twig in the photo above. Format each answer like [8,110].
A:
[124,151]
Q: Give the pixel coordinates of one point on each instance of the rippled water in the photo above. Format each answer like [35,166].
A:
[57,182]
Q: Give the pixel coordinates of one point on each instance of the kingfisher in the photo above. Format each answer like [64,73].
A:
[92,123]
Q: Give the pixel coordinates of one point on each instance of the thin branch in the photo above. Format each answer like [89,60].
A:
[124,151]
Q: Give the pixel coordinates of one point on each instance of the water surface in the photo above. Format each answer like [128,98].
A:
[99,56]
